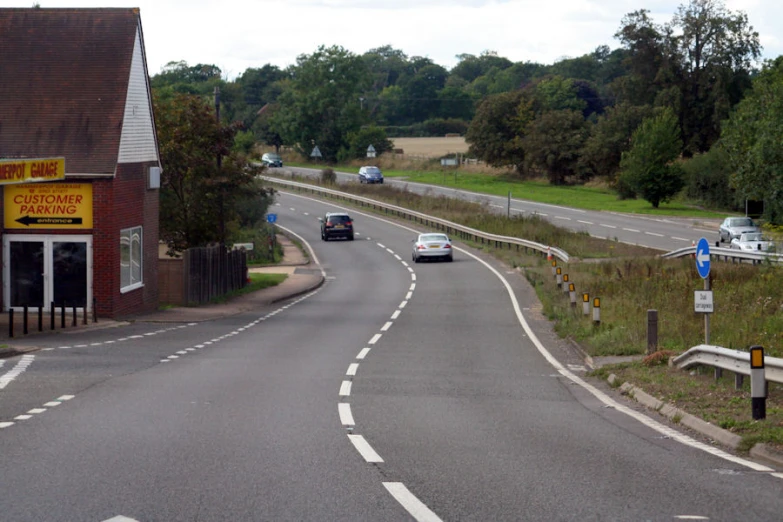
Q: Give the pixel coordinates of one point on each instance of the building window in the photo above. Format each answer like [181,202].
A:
[130,259]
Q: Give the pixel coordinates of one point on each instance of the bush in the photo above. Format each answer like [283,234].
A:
[328,177]
[434,128]
[707,179]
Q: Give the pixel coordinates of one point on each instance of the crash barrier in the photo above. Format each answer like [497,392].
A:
[729,255]
[734,361]
[452,229]
[38,312]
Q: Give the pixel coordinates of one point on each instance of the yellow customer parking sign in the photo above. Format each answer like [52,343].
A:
[34,206]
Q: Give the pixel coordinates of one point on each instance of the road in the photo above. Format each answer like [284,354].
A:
[434,391]
[665,234]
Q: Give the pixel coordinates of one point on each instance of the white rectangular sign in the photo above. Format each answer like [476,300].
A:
[703,302]
[246,246]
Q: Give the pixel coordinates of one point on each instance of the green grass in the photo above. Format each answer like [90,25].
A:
[258,281]
[577,196]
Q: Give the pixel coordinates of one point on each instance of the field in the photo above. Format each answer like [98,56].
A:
[431,147]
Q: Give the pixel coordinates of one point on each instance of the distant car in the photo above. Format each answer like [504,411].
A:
[432,246]
[270,159]
[370,175]
[734,227]
[336,224]
[753,242]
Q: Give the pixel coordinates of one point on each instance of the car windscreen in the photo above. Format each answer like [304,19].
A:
[742,222]
[373,170]
[273,157]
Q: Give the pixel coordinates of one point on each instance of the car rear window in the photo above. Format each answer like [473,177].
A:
[339,220]
[373,170]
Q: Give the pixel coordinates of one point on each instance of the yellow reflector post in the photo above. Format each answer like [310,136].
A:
[596,303]
[756,357]
[586,298]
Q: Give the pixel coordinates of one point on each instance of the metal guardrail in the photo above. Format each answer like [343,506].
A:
[730,360]
[440,224]
[727,254]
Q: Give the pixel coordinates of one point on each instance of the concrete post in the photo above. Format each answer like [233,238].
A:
[652,331]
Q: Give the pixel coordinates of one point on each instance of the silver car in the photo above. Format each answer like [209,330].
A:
[734,227]
[753,242]
[432,246]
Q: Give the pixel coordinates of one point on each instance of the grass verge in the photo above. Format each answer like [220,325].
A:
[258,281]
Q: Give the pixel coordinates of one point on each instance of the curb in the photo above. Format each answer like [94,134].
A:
[314,286]
[724,437]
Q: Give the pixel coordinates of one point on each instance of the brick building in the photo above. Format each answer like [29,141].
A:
[80,228]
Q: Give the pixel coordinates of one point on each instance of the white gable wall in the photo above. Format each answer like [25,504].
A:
[138,143]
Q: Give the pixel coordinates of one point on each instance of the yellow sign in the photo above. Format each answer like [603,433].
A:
[35,206]
[31,170]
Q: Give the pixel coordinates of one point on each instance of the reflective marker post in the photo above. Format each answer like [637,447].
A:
[596,311]
[554,266]
[586,304]
[758,383]
[565,283]
[572,294]
[559,277]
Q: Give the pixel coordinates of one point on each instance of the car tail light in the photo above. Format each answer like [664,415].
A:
[329,224]
[446,246]
[421,247]
[348,223]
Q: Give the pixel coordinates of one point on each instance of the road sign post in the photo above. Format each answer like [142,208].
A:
[705,297]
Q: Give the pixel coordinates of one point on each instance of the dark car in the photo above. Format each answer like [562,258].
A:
[270,159]
[370,175]
[336,224]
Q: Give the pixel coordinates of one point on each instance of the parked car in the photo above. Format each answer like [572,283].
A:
[336,224]
[753,242]
[370,175]
[734,227]
[270,159]
[432,246]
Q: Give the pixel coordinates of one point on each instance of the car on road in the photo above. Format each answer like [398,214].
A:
[734,227]
[370,175]
[753,242]
[432,246]
[270,159]
[336,224]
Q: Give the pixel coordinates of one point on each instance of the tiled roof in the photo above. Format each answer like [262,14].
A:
[63,82]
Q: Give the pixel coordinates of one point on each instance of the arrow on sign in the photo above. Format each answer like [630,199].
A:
[29,220]
[702,257]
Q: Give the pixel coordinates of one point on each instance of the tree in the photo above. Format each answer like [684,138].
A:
[649,167]
[321,103]
[552,144]
[363,138]
[611,136]
[494,133]
[198,196]
[752,139]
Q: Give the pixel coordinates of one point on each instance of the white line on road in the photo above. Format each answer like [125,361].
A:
[6,425]
[402,304]
[630,230]
[385,328]
[16,371]
[397,256]
[412,505]
[410,270]
[413,276]
[346,417]
[363,353]
[680,238]
[653,234]
[413,287]
[364,448]
[36,411]
[408,295]
[352,369]
[585,222]
[65,397]
[389,250]
[382,246]
[563,218]
[374,339]
[345,389]
[395,315]
[608,226]
[23,417]
[52,404]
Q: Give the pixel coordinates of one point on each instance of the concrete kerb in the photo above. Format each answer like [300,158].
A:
[723,437]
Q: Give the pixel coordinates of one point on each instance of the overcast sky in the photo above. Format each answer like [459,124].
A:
[238,34]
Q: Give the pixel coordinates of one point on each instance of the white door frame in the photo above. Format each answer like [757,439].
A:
[47,240]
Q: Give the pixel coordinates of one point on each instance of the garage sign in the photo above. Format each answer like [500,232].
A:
[31,170]
[35,206]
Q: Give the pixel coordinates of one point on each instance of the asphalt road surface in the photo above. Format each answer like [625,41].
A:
[397,391]
[665,234]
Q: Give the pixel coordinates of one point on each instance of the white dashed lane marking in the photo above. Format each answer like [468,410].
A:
[352,369]
[363,353]
[345,389]
[346,417]
[364,448]
[631,230]
[374,339]
[412,505]
[385,328]
[608,226]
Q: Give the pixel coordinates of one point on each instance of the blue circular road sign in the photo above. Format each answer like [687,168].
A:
[703,258]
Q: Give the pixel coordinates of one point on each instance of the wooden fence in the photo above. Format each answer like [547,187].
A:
[202,274]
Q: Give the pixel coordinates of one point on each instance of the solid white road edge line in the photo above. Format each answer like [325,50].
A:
[305,243]
[601,396]
[346,417]
[412,505]
[364,448]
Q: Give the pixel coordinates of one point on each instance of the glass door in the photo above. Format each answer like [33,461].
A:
[26,274]
[41,270]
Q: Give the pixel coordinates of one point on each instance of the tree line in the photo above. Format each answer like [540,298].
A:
[680,105]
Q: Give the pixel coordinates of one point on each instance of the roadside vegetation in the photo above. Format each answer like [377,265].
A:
[258,281]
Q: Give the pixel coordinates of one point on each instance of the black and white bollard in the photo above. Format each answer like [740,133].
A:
[758,383]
